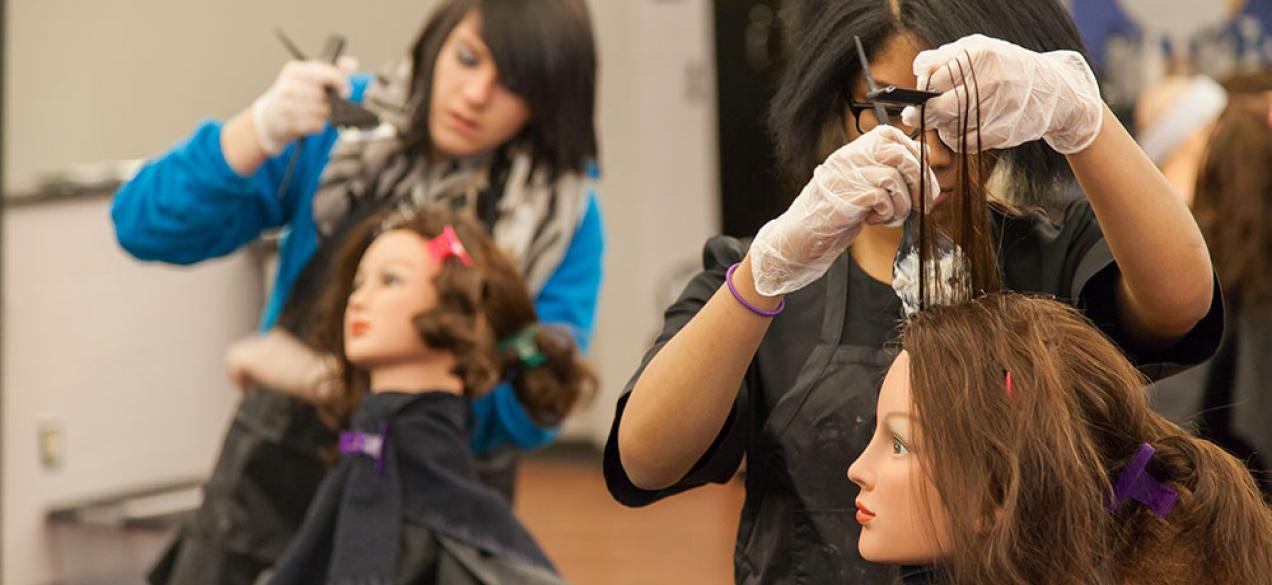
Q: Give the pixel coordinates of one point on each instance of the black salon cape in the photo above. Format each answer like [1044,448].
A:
[806,406]
[421,517]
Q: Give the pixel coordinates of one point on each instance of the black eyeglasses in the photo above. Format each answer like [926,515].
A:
[886,103]
[866,120]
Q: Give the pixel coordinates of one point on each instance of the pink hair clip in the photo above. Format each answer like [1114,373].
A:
[1011,389]
[447,244]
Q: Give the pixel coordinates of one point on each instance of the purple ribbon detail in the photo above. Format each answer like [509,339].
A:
[1135,483]
[369,444]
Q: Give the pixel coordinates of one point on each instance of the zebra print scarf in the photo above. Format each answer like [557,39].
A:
[534,219]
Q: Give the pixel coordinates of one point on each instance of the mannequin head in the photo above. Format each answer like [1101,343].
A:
[393,283]
[902,519]
[410,292]
[1012,482]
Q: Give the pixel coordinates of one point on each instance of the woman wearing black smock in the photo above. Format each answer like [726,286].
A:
[805,408]
[793,395]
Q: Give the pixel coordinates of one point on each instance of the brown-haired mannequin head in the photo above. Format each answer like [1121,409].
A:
[1004,484]
[421,302]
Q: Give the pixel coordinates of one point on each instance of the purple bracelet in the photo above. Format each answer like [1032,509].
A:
[728,280]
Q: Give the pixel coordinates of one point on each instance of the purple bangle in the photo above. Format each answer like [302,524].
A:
[728,280]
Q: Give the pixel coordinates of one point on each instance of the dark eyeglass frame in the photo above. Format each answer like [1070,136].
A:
[894,113]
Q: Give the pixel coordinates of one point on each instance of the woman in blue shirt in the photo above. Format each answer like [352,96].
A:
[492,111]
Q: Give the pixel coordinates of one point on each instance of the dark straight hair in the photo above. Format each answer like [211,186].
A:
[822,60]
[545,54]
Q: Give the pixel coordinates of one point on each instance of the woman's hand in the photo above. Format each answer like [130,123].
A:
[869,180]
[1023,95]
[278,361]
[296,104]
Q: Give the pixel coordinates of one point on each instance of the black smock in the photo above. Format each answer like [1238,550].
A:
[414,513]
[806,406]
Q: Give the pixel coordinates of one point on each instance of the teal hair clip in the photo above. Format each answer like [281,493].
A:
[524,346]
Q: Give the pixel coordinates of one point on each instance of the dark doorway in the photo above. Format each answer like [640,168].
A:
[748,55]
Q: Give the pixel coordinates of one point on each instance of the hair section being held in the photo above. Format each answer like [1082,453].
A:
[1027,474]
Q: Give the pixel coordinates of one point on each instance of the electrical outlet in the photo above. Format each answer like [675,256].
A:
[52,443]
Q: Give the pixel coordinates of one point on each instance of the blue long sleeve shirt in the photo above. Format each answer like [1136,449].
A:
[189,205]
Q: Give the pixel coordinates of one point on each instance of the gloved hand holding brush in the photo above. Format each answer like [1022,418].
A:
[870,180]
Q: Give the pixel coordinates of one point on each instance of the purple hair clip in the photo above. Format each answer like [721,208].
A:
[447,244]
[369,444]
[1135,483]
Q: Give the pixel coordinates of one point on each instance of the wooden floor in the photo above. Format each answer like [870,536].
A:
[686,539]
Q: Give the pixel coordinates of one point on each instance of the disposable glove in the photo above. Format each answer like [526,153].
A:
[871,180]
[1023,95]
[296,104]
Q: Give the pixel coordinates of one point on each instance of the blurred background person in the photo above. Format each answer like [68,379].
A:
[1229,397]
[1173,120]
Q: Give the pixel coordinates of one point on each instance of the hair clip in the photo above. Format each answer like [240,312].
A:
[1135,483]
[522,343]
[447,244]
[1011,388]
[369,444]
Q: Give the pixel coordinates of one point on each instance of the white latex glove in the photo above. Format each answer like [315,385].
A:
[1023,95]
[869,180]
[278,361]
[296,105]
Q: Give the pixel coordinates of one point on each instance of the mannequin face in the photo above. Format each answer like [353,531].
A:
[471,112]
[902,518]
[393,284]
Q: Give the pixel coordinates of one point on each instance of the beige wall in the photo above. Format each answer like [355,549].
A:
[121,79]
[659,188]
[125,358]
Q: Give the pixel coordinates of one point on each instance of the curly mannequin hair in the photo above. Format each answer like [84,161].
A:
[476,307]
[1025,477]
